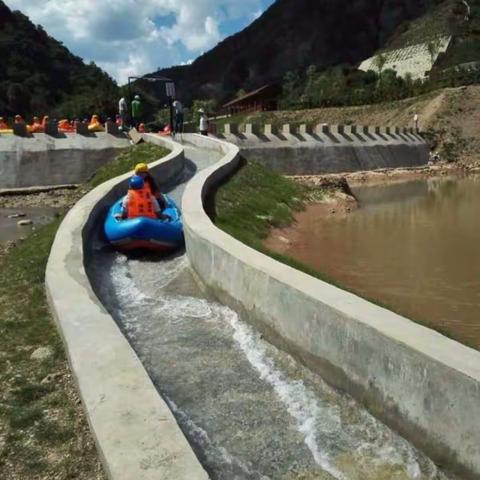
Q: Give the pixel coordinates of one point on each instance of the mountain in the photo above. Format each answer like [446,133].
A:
[38,75]
[293,34]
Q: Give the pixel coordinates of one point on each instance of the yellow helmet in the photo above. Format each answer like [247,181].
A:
[141,168]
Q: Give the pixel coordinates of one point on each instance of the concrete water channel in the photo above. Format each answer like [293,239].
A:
[248,410]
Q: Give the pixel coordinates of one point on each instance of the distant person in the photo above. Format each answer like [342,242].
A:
[203,122]
[3,124]
[415,122]
[142,170]
[19,119]
[123,110]
[36,126]
[139,202]
[137,111]
[178,109]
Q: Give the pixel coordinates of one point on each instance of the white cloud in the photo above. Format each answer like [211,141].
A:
[133,37]
[257,14]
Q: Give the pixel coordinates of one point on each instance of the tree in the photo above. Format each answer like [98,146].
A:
[433,48]
[241,93]
[379,63]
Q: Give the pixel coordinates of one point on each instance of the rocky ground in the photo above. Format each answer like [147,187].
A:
[62,199]
[54,198]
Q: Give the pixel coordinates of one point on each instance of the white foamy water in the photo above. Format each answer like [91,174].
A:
[209,448]
[301,404]
[318,418]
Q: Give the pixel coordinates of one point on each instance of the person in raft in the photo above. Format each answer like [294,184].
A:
[142,170]
[3,124]
[140,202]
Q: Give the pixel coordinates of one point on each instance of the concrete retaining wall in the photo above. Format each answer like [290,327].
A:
[136,434]
[44,160]
[421,383]
[309,150]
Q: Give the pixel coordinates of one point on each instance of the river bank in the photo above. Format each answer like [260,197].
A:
[405,240]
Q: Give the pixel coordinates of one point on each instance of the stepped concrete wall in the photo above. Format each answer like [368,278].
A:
[309,150]
[419,382]
[41,160]
[415,60]
[136,434]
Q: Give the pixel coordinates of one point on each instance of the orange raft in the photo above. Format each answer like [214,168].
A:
[95,125]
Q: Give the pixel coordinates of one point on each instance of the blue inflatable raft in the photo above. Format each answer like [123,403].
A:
[145,233]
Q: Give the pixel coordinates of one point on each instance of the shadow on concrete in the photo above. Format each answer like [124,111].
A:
[280,136]
[359,137]
[332,137]
[299,137]
[317,137]
[88,135]
[410,138]
[369,136]
[240,136]
[346,137]
[382,136]
[184,176]
[263,138]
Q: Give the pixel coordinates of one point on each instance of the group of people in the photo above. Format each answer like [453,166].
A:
[65,126]
[144,198]
[36,126]
[131,117]
[125,119]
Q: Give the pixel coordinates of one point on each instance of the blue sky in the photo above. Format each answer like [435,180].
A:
[134,37]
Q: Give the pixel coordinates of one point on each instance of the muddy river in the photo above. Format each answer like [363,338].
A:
[413,247]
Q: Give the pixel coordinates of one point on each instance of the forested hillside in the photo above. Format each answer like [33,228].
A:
[38,75]
[292,35]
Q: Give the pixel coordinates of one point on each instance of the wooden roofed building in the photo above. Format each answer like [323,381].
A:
[262,99]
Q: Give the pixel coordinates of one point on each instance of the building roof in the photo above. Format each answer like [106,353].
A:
[249,95]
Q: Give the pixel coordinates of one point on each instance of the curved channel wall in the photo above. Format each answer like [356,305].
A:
[41,160]
[136,434]
[421,383]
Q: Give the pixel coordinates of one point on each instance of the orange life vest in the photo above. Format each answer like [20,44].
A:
[140,203]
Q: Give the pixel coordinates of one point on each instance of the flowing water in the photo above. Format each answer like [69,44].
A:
[250,411]
[414,247]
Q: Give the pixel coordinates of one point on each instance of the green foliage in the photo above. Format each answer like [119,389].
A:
[126,161]
[256,199]
[346,86]
[39,76]
[241,93]
[209,106]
